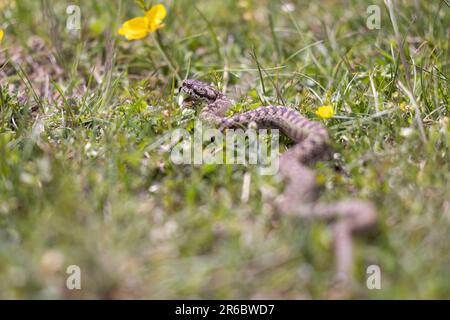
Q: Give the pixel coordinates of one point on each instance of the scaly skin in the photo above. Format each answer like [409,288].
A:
[301,192]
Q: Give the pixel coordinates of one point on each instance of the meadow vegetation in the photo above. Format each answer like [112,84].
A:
[79,184]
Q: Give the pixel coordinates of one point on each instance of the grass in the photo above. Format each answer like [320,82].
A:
[79,183]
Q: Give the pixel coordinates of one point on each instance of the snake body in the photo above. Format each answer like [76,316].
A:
[300,197]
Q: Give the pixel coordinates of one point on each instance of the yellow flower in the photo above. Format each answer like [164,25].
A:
[325,112]
[405,107]
[1,35]
[140,27]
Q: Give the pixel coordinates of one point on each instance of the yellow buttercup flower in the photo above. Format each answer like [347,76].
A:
[140,27]
[325,112]
[405,107]
[1,35]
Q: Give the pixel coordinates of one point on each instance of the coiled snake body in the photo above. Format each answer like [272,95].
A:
[301,192]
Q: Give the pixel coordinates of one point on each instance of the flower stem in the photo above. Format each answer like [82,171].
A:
[165,57]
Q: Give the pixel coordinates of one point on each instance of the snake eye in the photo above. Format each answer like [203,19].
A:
[201,91]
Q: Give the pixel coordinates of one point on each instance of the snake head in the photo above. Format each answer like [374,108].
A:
[199,91]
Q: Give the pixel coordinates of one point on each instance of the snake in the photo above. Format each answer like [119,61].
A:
[300,198]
